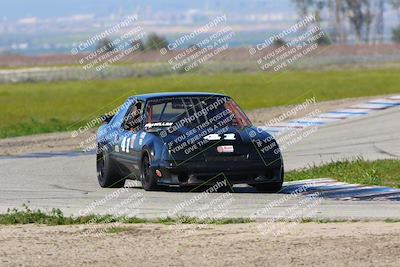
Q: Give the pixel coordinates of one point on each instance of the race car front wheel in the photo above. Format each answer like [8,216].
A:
[146,174]
[106,173]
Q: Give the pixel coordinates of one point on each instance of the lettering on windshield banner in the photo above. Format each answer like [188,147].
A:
[158,124]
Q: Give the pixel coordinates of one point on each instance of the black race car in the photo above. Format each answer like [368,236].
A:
[185,139]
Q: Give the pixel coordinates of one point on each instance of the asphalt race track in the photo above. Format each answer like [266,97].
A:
[68,181]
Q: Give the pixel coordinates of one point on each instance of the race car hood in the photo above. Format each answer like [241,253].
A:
[248,143]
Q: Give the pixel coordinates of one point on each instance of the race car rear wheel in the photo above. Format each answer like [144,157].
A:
[107,176]
[271,187]
[147,176]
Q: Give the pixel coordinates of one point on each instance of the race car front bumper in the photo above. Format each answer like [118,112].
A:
[208,173]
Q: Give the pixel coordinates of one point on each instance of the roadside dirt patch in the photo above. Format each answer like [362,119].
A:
[332,244]
[50,142]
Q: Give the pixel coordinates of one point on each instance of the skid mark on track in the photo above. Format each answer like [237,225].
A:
[70,189]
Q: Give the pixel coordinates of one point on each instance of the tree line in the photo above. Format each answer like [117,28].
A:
[352,21]
[153,42]
[345,21]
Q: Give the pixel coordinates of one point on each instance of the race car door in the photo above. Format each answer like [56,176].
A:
[129,154]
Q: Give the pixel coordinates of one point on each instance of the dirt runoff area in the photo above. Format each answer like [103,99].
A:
[330,244]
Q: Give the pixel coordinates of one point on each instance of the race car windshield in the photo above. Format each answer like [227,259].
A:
[221,111]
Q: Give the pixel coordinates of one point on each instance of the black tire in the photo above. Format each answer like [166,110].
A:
[107,176]
[273,187]
[226,189]
[147,177]
[269,188]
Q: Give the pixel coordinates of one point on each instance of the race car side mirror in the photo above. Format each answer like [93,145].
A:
[106,118]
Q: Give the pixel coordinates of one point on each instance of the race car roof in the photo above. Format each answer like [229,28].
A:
[145,97]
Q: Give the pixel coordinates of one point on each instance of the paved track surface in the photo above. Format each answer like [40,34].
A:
[68,181]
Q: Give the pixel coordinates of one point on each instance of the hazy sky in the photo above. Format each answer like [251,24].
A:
[17,9]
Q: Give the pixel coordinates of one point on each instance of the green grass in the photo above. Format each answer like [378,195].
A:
[56,217]
[31,108]
[379,172]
